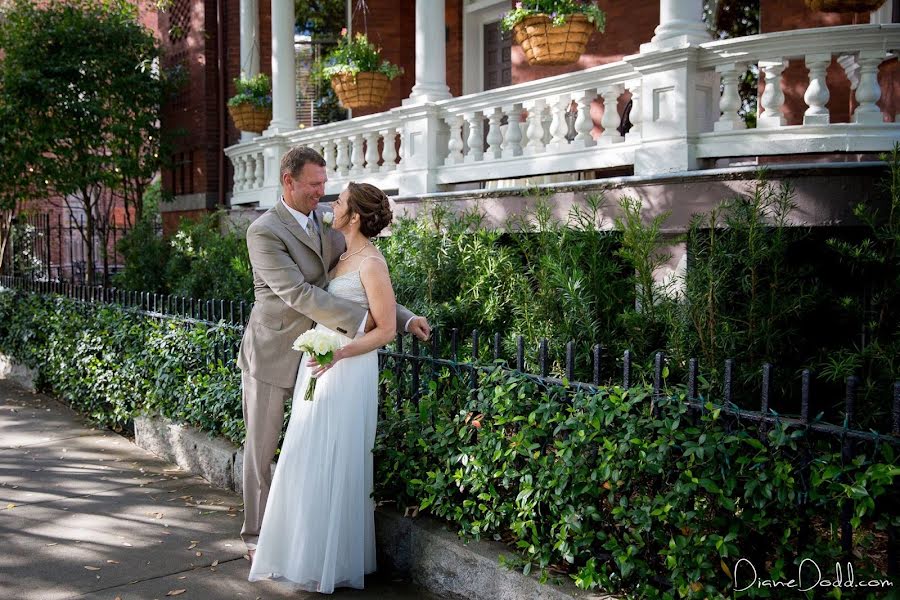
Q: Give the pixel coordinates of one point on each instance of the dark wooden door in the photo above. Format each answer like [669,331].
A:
[497,61]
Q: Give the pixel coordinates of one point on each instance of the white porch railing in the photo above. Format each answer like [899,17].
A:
[685,108]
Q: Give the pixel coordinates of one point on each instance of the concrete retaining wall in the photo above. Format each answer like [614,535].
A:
[17,373]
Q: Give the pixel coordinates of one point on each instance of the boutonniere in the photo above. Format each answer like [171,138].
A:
[327,219]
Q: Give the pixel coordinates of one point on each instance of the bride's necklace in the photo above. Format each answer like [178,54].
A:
[343,257]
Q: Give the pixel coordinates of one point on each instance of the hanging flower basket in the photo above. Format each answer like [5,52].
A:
[845,6]
[251,107]
[251,118]
[356,71]
[546,44]
[362,90]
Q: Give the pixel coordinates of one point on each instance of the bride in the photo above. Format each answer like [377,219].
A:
[318,532]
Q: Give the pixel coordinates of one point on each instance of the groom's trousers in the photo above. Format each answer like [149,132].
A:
[263,405]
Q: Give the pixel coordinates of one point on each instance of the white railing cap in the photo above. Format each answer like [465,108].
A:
[842,39]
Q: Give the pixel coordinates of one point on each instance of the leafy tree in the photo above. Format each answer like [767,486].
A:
[320,18]
[82,76]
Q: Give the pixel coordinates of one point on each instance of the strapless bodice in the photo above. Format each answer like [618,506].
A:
[349,286]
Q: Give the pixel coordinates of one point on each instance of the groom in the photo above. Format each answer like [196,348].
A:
[292,249]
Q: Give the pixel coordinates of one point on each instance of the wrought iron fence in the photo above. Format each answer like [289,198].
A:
[414,368]
[54,248]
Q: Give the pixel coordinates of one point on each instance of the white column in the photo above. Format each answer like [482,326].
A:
[249,46]
[284,76]
[431,59]
[680,23]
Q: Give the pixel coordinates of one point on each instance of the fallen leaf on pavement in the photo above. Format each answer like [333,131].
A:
[10,505]
[214,563]
[52,543]
[126,544]
[192,546]
[90,568]
[175,592]
[112,562]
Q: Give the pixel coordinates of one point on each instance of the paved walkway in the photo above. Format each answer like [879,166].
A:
[84,513]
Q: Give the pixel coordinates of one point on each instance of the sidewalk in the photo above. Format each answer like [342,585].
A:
[84,513]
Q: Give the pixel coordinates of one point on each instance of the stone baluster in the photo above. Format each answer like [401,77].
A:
[455,143]
[250,162]
[356,155]
[535,129]
[817,94]
[475,140]
[559,127]
[389,149]
[512,140]
[260,170]
[772,97]
[372,154]
[240,173]
[868,92]
[494,136]
[583,122]
[730,102]
[611,119]
[636,116]
[329,153]
[343,157]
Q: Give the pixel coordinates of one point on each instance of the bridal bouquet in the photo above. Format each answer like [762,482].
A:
[321,346]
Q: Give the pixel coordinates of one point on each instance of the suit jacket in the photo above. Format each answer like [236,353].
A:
[290,271]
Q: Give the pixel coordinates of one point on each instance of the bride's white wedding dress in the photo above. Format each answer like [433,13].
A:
[318,532]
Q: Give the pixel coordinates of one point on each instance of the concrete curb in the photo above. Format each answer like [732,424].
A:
[434,558]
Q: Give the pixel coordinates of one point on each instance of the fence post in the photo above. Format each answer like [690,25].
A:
[414,350]
[846,459]
[543,357]
[729,373]
[473,371]
[520,353]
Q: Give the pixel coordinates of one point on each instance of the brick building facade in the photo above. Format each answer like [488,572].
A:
[200,176]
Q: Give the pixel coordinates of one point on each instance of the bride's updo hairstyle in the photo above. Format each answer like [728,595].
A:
[372,206]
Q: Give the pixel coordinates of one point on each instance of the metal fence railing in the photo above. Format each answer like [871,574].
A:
[421,363]
[55,248]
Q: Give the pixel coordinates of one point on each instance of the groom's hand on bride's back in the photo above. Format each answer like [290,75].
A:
[419,327]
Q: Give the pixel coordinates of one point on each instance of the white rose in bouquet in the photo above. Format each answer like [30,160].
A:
[321,346]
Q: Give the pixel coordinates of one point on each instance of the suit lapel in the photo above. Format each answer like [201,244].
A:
[294,227]
[325,237]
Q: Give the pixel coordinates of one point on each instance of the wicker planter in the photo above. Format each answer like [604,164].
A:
[364,90]
[247,117]
[845,6]
[545,45]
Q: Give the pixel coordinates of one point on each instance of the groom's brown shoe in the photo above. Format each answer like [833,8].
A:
[250,553]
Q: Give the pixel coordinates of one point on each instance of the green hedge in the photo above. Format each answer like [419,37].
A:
[112,363]
[672,500]
[593,486]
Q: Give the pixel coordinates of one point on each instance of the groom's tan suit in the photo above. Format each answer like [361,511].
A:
[290,270]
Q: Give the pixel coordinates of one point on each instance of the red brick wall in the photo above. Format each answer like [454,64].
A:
[391,25]
[453,19]
[194,113]
[786,15]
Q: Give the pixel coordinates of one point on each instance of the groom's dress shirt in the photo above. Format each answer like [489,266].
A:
[302,219]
